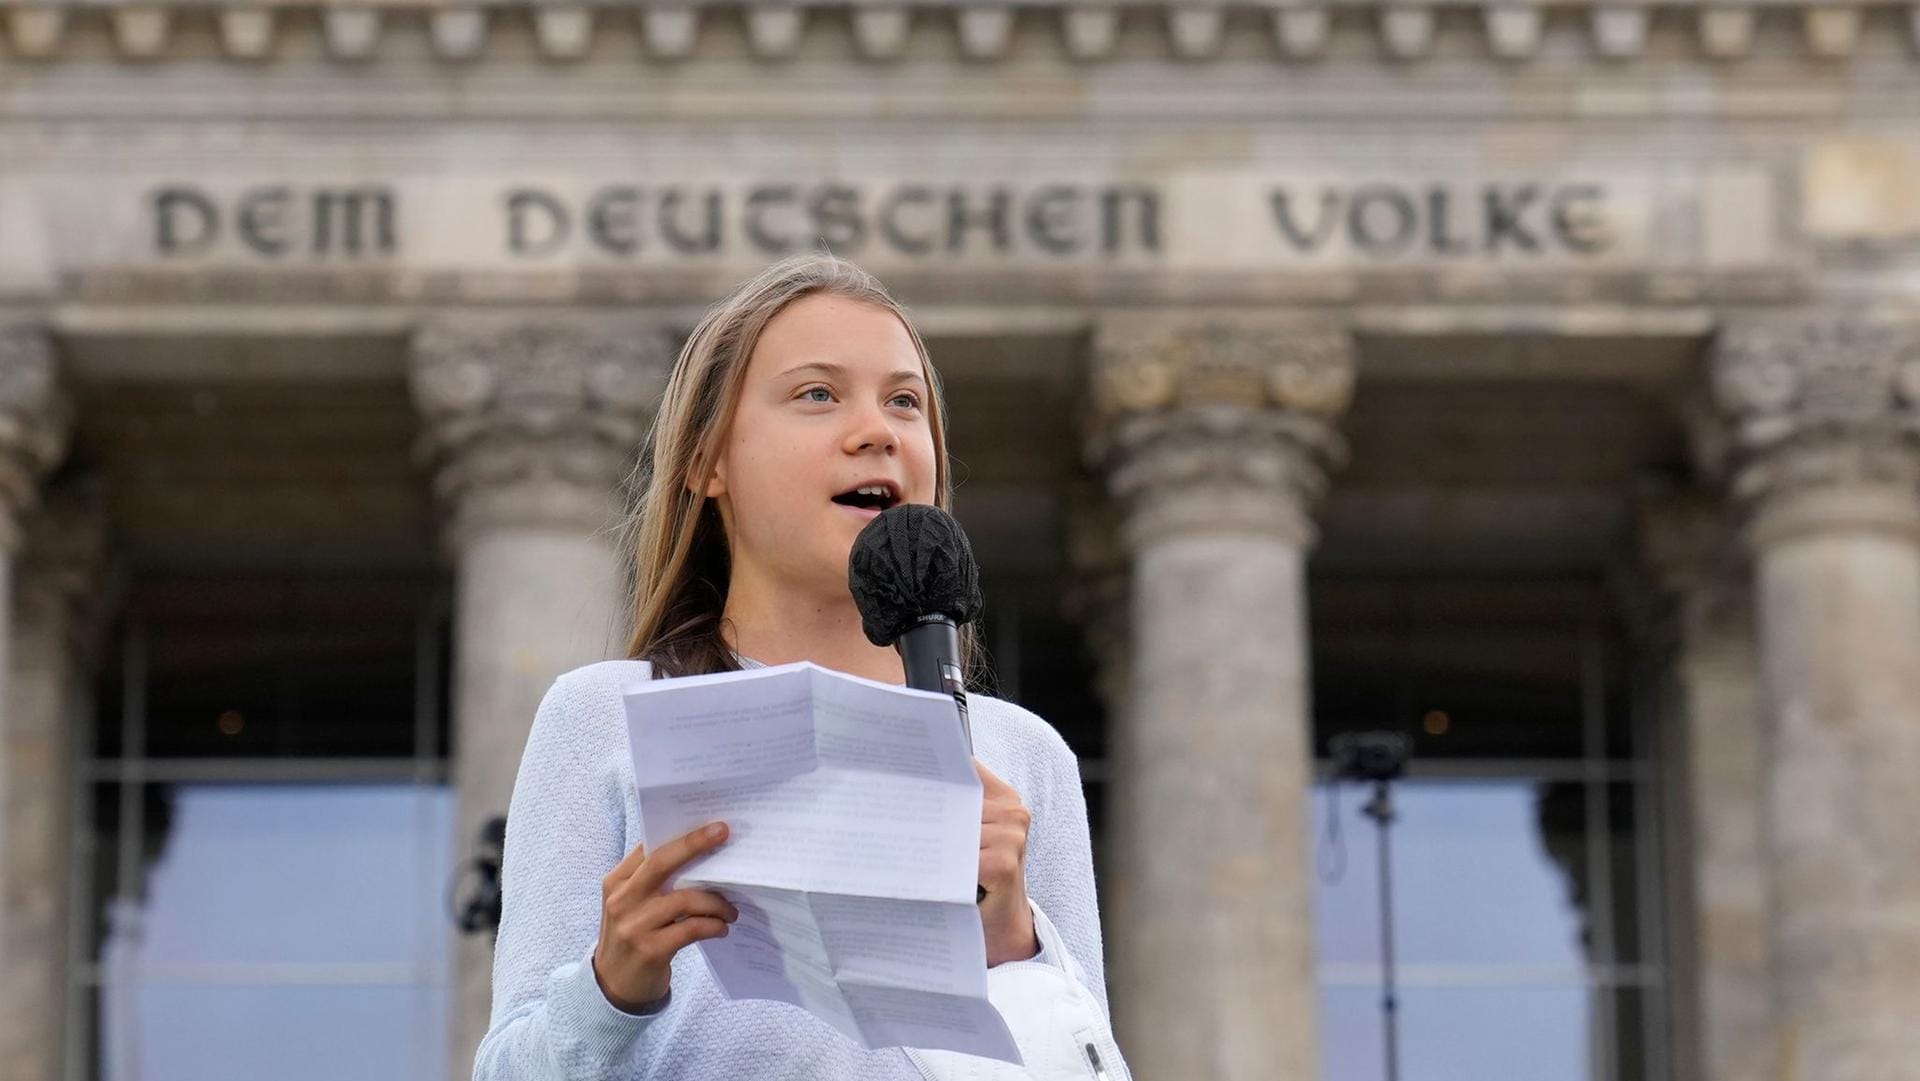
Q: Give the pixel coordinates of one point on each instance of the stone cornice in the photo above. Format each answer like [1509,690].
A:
[1818,402]
[1086,30]
[531,420]
[1204,421]
[34,420]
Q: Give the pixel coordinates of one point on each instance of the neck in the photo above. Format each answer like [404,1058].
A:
[783,626]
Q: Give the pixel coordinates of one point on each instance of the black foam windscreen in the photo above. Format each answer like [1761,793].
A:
[912,560]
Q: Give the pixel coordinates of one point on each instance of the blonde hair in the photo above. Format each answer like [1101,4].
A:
[679,570]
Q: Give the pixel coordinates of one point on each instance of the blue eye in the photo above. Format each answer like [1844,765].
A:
[912,402]
[821,390]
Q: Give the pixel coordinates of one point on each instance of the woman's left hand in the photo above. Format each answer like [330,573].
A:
[1004,914]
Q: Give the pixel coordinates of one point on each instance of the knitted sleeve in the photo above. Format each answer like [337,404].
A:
[565,831]
[1060,855]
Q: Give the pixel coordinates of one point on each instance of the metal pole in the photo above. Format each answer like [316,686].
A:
[1380,809]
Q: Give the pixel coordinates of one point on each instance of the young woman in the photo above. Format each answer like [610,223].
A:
[800,404]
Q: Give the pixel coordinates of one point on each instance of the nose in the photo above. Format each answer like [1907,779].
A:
[871,429]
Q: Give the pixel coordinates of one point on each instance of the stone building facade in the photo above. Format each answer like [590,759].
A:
[1298,354]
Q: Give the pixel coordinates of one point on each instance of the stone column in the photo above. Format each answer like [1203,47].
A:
[33,430]
[1712,742]
[1823,409]
[1216,434]
[532,425]
[54,641]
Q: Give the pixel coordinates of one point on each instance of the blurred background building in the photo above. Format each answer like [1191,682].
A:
[1536,380]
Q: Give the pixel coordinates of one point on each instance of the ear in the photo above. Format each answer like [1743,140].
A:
[717,483]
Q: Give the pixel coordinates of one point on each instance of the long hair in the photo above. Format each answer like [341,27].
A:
[680,565]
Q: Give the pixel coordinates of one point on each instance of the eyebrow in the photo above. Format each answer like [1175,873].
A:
[902,376]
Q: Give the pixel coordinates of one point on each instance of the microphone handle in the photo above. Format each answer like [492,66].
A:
[930,650]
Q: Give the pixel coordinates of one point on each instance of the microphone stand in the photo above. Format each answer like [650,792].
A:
[1380,809]
[1379,757]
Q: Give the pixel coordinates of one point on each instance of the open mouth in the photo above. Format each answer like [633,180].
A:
[875,496]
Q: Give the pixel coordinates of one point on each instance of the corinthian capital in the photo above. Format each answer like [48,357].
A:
[34,416]
[1821,399]
[535,420]
[1210,420]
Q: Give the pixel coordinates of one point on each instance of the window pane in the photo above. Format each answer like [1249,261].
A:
[1571,808]
[283,1032]
[1469,669]
[1476,878]
[1491,692]
[1456,1033]
[272,918]
[329,874]
[1465,669]
[268,664]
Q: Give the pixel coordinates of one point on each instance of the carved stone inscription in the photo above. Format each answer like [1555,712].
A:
[531,224]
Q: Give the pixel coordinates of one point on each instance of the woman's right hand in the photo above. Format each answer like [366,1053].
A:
[641,928]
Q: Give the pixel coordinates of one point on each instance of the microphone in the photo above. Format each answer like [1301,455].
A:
[914,580]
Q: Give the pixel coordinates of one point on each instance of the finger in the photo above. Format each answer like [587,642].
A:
[673,855]
[998,865]
[993,803]
[683,904]
[677,936]
[627,865]
[992,788]
[1006,830]
[1001,802]
[1011,814]
[989,780]
[1003,840]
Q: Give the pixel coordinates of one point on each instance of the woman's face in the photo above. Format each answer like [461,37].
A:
[834,398]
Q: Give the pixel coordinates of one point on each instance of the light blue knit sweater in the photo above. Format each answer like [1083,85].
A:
[574,815]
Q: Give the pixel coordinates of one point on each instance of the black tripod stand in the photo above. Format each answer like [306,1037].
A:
[1379,757]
